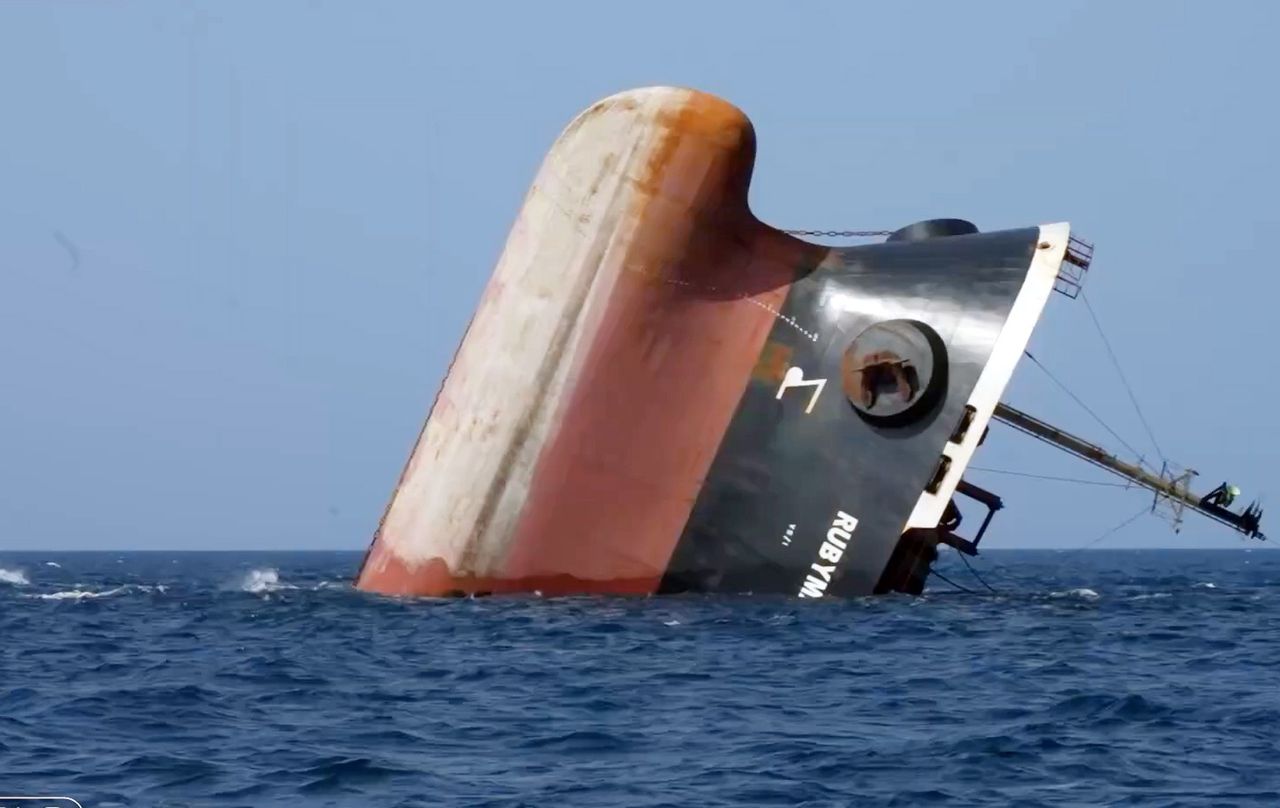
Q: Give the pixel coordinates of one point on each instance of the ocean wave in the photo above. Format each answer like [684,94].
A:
[1206,585]
[15,577]
[80,594]
[1095,703]
[266,579]
[1082,594]
[1132,706]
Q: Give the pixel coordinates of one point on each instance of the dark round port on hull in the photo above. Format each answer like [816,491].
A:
[894,372]
[933,228]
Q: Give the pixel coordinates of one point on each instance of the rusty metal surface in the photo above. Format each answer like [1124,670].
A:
[894,371]
[590,394]
[641,402]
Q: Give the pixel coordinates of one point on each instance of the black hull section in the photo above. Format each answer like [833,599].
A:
[841,430]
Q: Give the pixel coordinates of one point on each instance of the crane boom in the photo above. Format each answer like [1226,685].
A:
[1174,489]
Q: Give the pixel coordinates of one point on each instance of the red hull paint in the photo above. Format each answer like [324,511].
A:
[684,293]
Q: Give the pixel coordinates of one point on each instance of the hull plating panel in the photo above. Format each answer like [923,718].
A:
[806,495]
[588,398]
[652,395]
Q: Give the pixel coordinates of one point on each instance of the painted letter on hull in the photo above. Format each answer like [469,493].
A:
[651,388]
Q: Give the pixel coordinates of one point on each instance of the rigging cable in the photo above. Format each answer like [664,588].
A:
[1128,388]
[975,574]
[953,583]
[1110,532]
[1089,410]
[1049,477]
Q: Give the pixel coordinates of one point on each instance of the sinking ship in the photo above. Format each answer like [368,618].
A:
[659,393]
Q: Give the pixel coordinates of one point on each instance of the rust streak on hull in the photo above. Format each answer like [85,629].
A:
[596,473]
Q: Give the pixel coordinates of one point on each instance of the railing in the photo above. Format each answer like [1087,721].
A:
[1075,265]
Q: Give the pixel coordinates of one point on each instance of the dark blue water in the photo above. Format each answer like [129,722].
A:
[1097,678]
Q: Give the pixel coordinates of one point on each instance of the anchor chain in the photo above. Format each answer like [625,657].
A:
[839,233]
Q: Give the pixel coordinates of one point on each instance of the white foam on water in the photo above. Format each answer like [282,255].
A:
[15,577]
[53,564]
[81,594]
[1082,593]
[262,580]
[1152,596]
[1206,585]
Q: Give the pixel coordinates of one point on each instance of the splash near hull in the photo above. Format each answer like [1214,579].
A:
[659,393]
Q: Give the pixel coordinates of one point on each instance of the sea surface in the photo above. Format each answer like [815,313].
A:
[250,679]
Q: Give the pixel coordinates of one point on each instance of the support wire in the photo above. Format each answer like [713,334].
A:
[1110,532]
[1089,410]
[975,574]
[937,574]
[1128,388]
[1076,480]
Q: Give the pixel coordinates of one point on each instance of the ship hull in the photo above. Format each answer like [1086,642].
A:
[659,393]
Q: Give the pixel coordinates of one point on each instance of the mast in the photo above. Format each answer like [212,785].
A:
[1175,489]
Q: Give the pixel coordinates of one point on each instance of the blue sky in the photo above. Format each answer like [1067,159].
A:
[240,241]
